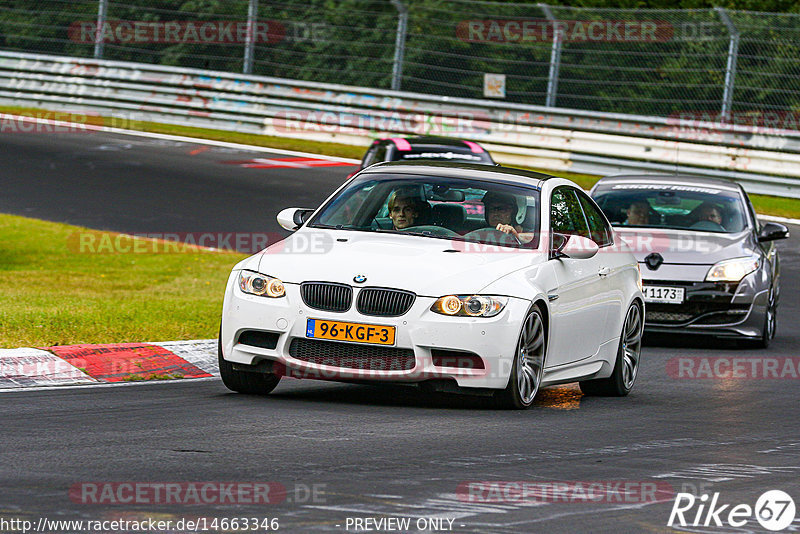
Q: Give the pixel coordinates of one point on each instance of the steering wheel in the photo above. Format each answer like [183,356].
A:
[492,236]
[708,225]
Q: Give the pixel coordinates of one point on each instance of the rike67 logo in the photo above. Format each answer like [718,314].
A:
[774,510]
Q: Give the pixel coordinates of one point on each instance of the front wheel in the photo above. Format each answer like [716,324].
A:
[243,381]
[626,367]
[528,367]
[770,324]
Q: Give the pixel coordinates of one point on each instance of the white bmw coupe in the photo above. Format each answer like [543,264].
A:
[455,277]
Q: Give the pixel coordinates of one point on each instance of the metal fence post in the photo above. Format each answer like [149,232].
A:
[250,38]
[730,68]
[399,43]
[102,7]
[555,57]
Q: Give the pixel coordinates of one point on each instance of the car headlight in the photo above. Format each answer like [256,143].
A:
[469,305]
[260,284]
[732,270]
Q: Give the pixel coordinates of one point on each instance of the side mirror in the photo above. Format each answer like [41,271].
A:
[573,246]
[772,231]
[293,218]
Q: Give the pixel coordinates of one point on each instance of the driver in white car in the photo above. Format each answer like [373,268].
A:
[500,211]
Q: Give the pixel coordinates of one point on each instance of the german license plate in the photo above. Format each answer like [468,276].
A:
[352,332]
[666,295]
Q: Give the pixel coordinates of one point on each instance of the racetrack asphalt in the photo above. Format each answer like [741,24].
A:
[147,185]
[366,451]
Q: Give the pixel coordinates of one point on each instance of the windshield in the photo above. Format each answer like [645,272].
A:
[672,206]
[436,207]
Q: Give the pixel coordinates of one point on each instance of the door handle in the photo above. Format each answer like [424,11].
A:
[604,271]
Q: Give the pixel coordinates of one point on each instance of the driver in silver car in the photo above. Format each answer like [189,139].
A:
[708,212]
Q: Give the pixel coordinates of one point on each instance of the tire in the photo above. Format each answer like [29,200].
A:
[626,366]
[770,325]
[528,367]
[242,381]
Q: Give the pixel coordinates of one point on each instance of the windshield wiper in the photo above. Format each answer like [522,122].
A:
[420,234]
[424,233]
[333,227]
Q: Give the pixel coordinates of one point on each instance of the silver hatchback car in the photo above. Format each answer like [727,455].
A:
[708,265]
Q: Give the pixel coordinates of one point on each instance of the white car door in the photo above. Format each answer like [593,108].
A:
[578,301]
[612,265]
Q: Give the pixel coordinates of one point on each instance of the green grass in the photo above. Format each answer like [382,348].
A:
[53,293]
[141,378]
[782,207]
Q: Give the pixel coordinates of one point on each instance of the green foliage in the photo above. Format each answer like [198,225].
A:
[352,42]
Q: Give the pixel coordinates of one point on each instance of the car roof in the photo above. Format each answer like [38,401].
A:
[430,140]
[461,170]
[670,179]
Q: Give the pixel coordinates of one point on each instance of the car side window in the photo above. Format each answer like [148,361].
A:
[566,215]
[599,229]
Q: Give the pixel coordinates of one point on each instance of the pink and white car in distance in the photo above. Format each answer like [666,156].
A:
[424,148]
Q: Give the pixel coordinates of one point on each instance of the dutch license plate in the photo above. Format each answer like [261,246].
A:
[352,332]
[667,295]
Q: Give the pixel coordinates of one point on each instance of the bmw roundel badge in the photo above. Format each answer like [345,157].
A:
[359,279]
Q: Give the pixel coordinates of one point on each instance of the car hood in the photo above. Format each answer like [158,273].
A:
[418,264]
[686,247]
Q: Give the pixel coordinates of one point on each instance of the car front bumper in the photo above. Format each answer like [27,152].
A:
[419,331]
[712,308]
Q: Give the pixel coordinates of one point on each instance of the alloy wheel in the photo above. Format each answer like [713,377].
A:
[631,345]
[530,358]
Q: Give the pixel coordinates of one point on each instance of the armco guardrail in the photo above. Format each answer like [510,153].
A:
[765,160]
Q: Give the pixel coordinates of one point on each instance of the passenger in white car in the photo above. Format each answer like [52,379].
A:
[406,209]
